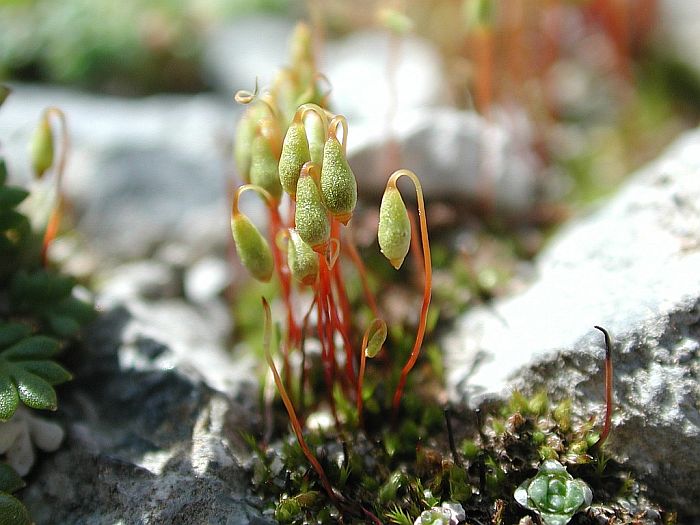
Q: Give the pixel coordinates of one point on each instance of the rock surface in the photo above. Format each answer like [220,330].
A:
[153,425]
[357,67]
[456,154]
[631,267]
[141,172]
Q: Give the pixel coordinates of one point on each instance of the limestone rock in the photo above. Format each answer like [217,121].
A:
[149,440]
[631,267]
[141,172]
[456,154]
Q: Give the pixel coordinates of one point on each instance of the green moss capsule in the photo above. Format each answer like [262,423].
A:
[263,167]
[301,259]
[252,248]
[310,216]
[374,345]
[301,45]
[295,153]
[242,146]
[338,184]
[41,150]
[394,232]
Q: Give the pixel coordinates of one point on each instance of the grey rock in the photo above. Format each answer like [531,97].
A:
[248,48]
[141,172]
[149,440]
[456,154]
[357,67]
[631,267]
[207,279]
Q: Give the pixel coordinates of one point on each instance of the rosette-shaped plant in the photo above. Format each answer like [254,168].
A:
[554,494]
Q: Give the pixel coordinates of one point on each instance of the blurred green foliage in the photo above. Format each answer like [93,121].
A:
[127,47]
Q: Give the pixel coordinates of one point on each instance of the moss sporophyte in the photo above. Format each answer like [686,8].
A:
[366,448]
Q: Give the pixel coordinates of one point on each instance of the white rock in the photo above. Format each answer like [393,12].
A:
[631,267]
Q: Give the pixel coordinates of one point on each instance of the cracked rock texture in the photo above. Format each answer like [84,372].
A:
[153,425]
[632,267]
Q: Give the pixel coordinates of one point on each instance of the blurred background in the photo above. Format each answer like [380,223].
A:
[515,113]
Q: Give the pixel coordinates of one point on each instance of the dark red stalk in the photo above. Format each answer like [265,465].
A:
[296,426]
[54,223]
[608,389]
[351,250]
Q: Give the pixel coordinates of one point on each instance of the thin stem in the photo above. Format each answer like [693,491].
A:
[333,130]
[275,226]
[302,349]
[357,261]
[376,325]
[608,389]
[296,426]
[427,290]
[320,113]
[54,223]
[322,323]
[451,438]
[269,199]
[339,283]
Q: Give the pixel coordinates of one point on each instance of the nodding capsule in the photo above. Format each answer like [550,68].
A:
[253,249]
[394,233]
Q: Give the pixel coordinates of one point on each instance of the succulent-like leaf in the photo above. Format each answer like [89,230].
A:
[27,375]
[338,184]
[63,325]
[11,196]
[47,296]
[9,398]
[252,248]
[295,153]
[12,332]
[12,511]
[34,391]
[394,233]
[310,215]
[11,219]
[49,371]
[10,481]
[35,347]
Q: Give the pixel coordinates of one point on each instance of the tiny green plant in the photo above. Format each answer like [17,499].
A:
[39,314]
[554,494]
[296,153]
[370,449]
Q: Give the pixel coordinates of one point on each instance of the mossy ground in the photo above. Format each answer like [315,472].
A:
[392,472]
